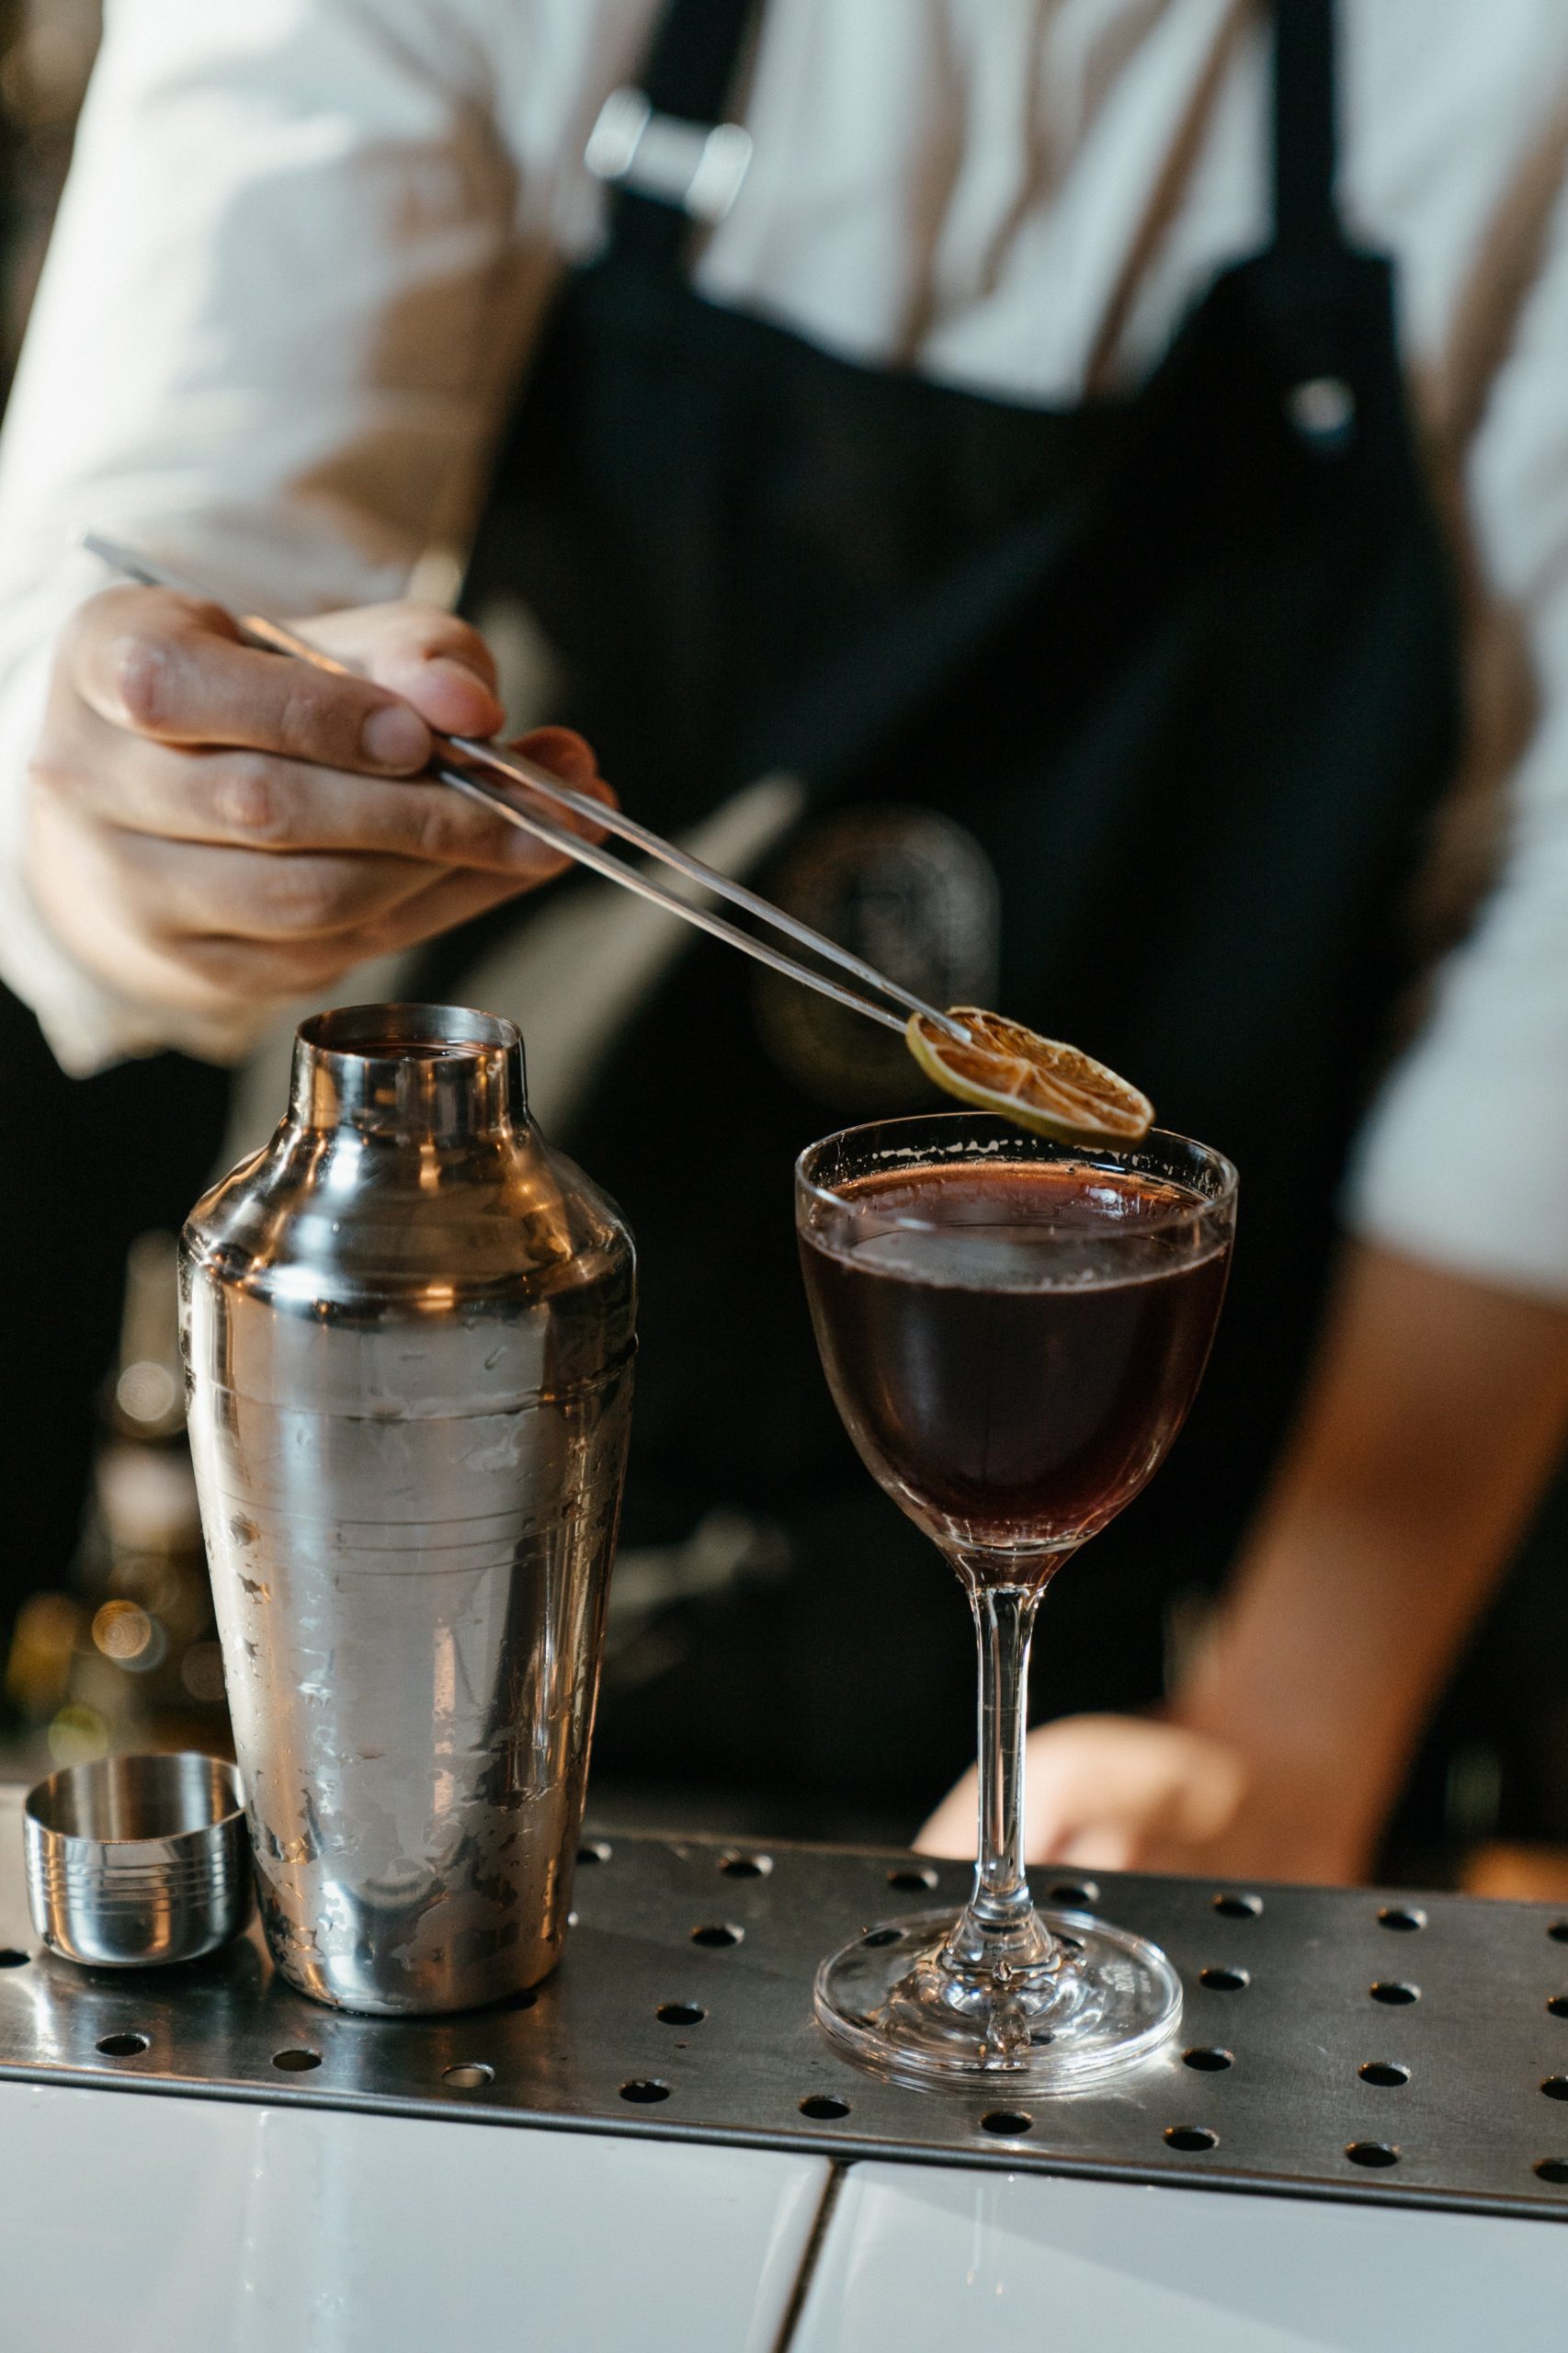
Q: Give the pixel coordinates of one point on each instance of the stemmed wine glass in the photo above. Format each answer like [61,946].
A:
[1013,1329]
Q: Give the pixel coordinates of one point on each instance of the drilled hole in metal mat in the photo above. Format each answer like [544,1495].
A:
[595,1850]
[1556,2087]
[913,1880]
[742,1866]
[1223,1981]
[680,2013]
[1393,1992]
[882,1937]
[1239,1907]
[1207,2061]
[1558,2006]
[645,2091]
[1552,2169]
[717,1932]
[122,2046]
[823,2108]
[1558,1931]
[10,1958]
[1191,2137]
[296,2062]
[1386,2073]
[1372,2152]
[470,2076]
[1403,1918]
[1007,2124]
[1076,1893]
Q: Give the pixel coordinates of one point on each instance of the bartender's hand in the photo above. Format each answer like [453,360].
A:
[1437,1414]
[1114,1793]
[210,826]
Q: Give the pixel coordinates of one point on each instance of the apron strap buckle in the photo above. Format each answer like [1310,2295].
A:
[695,167]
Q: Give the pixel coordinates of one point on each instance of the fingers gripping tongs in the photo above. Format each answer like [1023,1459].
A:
[469,766]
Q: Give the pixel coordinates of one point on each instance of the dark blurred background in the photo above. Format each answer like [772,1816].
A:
[104,1623]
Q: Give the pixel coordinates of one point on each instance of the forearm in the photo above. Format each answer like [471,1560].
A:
[1433,1420]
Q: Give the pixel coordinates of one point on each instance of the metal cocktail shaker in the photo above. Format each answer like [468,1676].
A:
[409,1330]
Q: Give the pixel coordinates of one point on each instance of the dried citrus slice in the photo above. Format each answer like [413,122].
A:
[1035,1082]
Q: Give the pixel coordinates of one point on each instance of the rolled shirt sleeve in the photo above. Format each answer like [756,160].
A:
[271,342]
[1464,1160]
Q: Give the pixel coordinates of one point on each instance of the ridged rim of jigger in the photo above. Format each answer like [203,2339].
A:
[114,1785]
[113,1840]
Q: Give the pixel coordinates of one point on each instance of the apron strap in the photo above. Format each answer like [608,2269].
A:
[695,59]
[695,56]
[665,145]
[1306,220]
[674,162]
[1311,260]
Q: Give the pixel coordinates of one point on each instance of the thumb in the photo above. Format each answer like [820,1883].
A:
[951,1829]
[1099,1788]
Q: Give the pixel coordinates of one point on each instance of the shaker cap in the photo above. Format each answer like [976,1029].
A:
[433,1070]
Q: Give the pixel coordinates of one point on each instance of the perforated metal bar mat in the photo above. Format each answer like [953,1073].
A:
[1334,2043]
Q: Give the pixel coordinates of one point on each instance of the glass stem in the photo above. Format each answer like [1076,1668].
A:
[1000,1928]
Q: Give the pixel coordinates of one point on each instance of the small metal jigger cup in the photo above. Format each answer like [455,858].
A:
[137,1860]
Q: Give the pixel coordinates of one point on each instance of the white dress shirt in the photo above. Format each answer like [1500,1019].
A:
[306,245]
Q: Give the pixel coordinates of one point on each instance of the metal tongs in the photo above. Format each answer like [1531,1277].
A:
[456,759]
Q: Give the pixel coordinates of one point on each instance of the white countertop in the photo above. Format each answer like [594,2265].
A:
[919,2256]
[133,2223]
[153,2224]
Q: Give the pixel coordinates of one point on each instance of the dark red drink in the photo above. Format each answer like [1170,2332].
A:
[1014,1357]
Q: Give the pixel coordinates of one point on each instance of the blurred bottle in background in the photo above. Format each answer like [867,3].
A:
[127,1656]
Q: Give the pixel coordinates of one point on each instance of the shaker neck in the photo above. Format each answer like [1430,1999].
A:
[425,1071]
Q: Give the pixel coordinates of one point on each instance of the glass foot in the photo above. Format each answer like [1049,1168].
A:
[1104,2000]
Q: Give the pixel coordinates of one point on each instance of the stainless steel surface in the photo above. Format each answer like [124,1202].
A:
[273,637]
[648,2027]
[409,1332]
[132,1860]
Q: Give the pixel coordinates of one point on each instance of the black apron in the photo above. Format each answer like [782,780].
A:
[1171,679]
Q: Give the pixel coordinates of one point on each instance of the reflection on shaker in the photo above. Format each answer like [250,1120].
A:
[409,1330]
